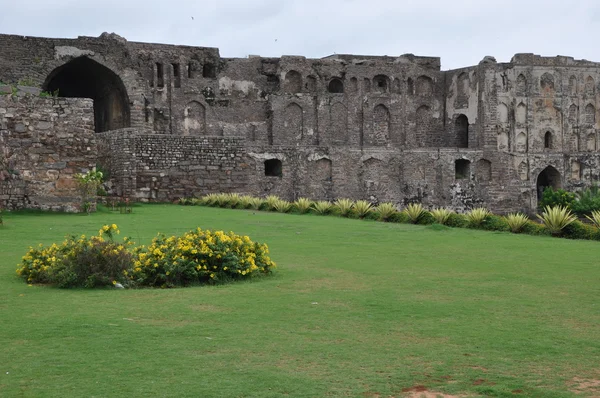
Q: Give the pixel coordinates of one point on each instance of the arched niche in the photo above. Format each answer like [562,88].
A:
[422,124]
[547,83]
[572,85]
[194,119]
[503,113]
[548,140]
[483,170]
[461,129]
[521,114]
[590,86]
[521,85]
[521,142]
[293,82]
[335,86]
[381,83]
[548,178]
[424,86]
[83,77]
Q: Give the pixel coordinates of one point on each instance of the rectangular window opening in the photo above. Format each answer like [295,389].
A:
[176,75]
[160,75]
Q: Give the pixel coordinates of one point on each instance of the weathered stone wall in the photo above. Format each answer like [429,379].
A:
[43,143]
[178,121]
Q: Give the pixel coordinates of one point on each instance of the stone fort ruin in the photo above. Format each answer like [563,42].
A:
[168,121]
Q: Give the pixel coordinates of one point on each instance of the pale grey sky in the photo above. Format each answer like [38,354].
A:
[461,32]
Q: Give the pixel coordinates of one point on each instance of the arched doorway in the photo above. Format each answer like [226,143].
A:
[86,78]
[549,177]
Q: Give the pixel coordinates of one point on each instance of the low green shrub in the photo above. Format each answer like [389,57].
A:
[556,218]
[457,221]
[426,219]
[554,198]
[578,230]
[534,228]
[398,217]
[495,223]
[588,201]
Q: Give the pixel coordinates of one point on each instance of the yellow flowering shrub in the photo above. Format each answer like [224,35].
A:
[80,261]
[196,257]
[200,256]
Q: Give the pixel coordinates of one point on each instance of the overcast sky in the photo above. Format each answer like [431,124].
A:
[461,32]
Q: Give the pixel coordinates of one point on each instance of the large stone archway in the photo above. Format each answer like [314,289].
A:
[85,78]
[549,177]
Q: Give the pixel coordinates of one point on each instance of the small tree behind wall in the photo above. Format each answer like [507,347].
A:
[88,184]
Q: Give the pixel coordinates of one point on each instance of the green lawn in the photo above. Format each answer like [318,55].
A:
[356,308]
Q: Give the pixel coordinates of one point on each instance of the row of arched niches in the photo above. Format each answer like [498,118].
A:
[295,83]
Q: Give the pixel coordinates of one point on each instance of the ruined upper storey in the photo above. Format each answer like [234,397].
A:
[340,100]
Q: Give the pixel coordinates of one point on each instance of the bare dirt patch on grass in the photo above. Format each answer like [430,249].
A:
[580,385]
[420,391]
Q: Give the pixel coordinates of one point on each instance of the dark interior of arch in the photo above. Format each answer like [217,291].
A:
[335,86]
[549,177]
[461,127]
[85,78]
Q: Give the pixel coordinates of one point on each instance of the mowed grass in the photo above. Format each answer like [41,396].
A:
[356,308]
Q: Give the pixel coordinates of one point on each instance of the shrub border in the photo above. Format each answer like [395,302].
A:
[493,222]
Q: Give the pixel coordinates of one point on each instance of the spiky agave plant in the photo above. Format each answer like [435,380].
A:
[414,211]
[270,202]
[343,207]
[303,205]
[477,216]
[233,199]
[322,207]
[282,206]
[222,200]
[363,208]
[595,218]
[516,221]
[255,203]
[246,201]
[210,199]
[385,211]
[556,218]
[441,215]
